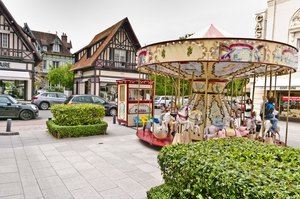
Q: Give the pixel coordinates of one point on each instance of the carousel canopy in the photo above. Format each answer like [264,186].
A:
[214,54]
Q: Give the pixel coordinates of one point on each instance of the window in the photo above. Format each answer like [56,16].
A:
[98,100]
[4,40]
[55,64]
[120,58]
[56,48]
[44,64]
[60,95]
[45,48]
[83,99]
[51,95]
[4,100]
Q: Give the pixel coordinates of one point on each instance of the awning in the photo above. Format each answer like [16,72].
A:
[292,98]
[14,75]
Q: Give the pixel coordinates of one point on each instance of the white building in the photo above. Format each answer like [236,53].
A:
[279,22]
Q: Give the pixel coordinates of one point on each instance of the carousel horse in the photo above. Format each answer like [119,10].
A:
[182,135]
[270,135]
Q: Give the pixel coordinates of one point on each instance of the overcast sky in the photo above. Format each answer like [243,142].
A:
[152,21]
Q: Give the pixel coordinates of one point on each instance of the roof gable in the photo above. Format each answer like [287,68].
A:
[25,39]
[103,38]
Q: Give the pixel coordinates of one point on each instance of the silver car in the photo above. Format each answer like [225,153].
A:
[46,99]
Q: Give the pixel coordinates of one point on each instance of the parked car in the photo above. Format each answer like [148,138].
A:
[110,107]
[11,108]
[46,99]
[159,100]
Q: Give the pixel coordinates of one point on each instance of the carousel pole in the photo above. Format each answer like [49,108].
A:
[165,91]
[154,94]
[288,110]
[253,90]
[172,96]
[138,96]
[178,88]
[206,98]
[191,87]
[245,95]
[182,100]
[263,107]
[231,94]
[270,88]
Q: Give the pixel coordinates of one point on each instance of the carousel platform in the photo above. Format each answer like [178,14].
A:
[147,136]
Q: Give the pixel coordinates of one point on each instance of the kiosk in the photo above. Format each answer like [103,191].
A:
[135,101]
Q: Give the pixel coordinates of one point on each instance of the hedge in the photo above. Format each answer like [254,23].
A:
[77,114]
[228,168]
[76,131]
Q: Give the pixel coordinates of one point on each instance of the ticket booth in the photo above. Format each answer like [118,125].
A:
[135,99]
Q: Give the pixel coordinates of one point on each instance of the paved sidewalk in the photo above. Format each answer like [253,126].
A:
[36,165]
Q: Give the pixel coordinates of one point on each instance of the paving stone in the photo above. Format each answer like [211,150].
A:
[11,168]
[102,183]
[10,189]
[75,158]
[14,197]
[83,166]
[86,193]
[9,177]
[115,193]
[61,165]
[147,167]
[44,172]
[40,164]
[48,182]
[131,187]
[57,193]
[91,174]
[76,182]
[67,173]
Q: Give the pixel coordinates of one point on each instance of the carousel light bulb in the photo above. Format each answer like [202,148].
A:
[173,42]
[179,42]
[193,43]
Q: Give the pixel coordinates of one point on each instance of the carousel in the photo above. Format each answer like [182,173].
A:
[211,64]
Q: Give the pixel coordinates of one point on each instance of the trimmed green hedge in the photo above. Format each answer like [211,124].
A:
[77,114]
[228,168]
[76,131]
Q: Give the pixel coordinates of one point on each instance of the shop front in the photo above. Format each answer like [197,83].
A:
[16,79]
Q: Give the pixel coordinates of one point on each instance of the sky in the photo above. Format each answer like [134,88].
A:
[152,21]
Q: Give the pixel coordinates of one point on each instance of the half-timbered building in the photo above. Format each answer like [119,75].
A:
[110,56]
[18,58]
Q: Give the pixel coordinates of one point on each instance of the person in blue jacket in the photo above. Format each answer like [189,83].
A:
[269,112]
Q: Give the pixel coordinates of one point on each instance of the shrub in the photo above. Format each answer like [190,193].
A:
[229,168]
[77,114]
[76,131]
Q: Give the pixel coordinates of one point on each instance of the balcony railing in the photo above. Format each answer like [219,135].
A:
[115,65]
[15,53]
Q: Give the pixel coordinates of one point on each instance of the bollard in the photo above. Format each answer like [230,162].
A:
[8,125]
[114,119]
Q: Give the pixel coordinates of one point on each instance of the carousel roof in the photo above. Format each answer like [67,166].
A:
[211,31]
[217,58]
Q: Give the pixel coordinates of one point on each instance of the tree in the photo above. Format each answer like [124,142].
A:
[61,76]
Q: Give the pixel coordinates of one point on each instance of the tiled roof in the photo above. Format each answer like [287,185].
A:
[106,36]
[47,39]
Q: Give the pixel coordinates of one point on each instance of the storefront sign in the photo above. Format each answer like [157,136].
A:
[4,64]
[292,98]
[286,88]
[259,26]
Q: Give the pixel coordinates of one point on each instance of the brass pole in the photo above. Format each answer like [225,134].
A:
[172,95]
[138,96]
[288,109]
[191,87]
[231,93]
[182,100]
[270,92]
[154,95]
[253,90]
[275,87]
[165,91]
[245,95]
[263,107]
[178,89]
[206,98]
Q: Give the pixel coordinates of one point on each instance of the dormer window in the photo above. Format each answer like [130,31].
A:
[56,48]
[45,48]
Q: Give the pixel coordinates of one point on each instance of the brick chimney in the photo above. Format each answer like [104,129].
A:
[64,38]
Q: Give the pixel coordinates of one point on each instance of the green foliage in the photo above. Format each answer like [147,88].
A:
[56,89]
[170,82]
[162,192]
[61,75]
[229,168]
[237,87]
[76,131]
[186,36]
[77,114]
